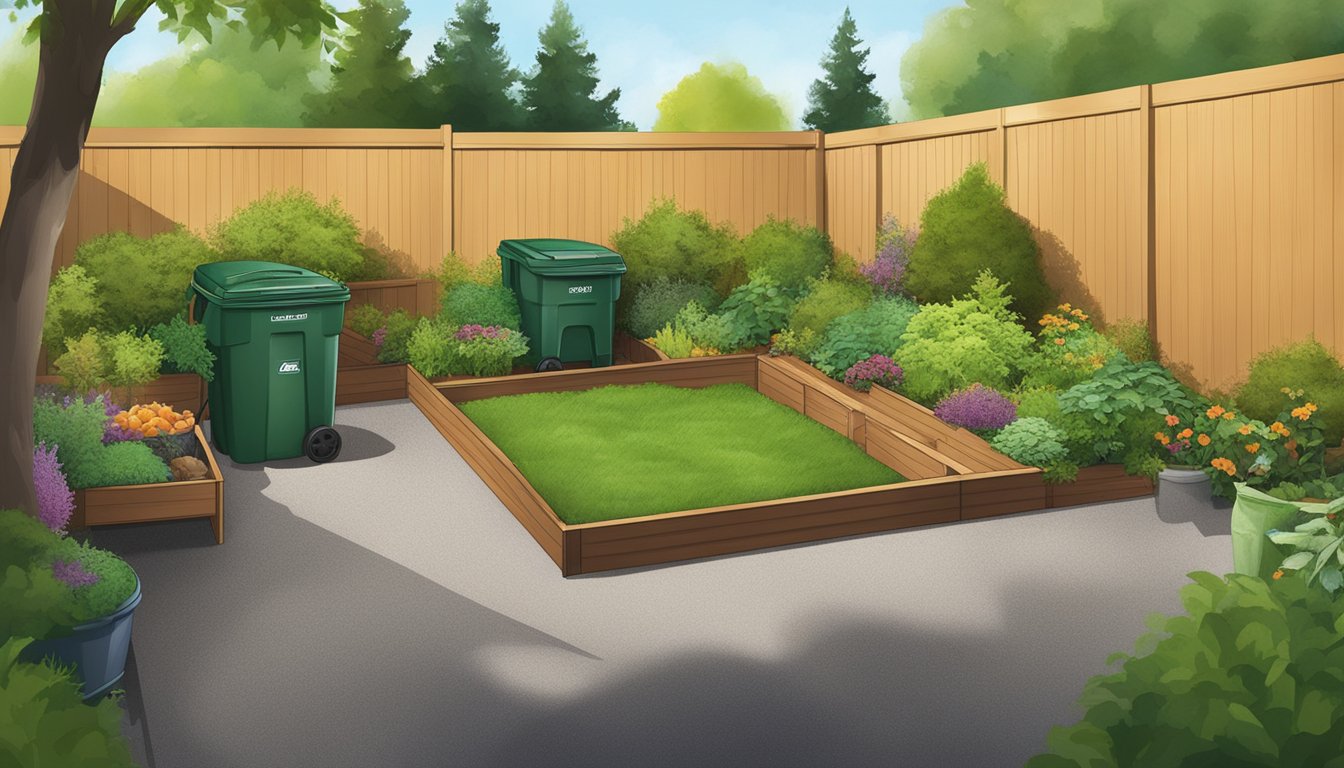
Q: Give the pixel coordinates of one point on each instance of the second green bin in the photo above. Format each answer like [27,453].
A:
[567,292]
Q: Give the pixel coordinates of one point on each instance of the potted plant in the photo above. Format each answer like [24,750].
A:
[1184,489]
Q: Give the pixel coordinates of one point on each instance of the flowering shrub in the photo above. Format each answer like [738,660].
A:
[1031,441]
[878,369]
[73,574]
[55,500]
[475,350]
[873,330]
[379,337]
[1070,350]
[978,408]
[1308,366]
[894,244]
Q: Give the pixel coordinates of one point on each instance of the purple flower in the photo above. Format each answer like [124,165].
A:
[977,408]
[472,332]
[380,337]
[115,433]
[878,369]
[55,500]
[893,255]
[73,573]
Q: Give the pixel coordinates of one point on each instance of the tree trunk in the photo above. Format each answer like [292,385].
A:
[69,75]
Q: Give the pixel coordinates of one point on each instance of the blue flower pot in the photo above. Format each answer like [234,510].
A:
[97,649]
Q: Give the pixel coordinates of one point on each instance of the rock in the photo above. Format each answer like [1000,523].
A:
[188,468]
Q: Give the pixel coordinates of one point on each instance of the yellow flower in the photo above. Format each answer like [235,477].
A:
[1302,414]
[1074,326]
[1230,415]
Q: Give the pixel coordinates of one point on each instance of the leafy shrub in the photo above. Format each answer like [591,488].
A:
[364,319]
[1121,390]
[1063,471]
[658,302]
[796,343]
[1031,441]
[1039,402]
[124,463]
[887,271]
[1071,350]
[132,360]
[67,731]
[294,228]
[1247,676]
[878,369]
[974,339]
[875,330]
[82,367]
[790,253]
[476,304]
[55,500]
[1133,338]
[184,348]
[485,351]
[76,427]
[674,342]
[1307,366]
[429,348]
[73,307]
[1313,542]
[977,408]
[393,336]
[711,333]
[966,229]
[1042,369]
[755,310]
[669,244]
[142,281]
[827,300]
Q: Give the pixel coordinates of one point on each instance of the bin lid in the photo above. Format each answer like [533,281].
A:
[264,283]
[547,256]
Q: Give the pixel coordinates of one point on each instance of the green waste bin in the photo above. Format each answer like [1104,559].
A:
[567,292]
[273,330]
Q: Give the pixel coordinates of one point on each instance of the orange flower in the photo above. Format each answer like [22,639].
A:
[1291,445]
[1310,407]
[1161,437]
[1277,428]
[1204,440]
[1059,342]
[1230,415]
[1214,412]
[1245,429]
[1185,434]
[1172,420]
[1278,574]
[1252,447]
[1303,413]
[1224,465]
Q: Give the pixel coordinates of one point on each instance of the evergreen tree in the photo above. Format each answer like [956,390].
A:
[560,95]
[371,79]
[468,81]
[843,99]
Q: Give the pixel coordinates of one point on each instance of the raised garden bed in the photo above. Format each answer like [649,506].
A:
[185,391]
[176,500]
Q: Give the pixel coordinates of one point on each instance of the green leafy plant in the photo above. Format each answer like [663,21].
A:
[666,243]
[874,330]
[790,253]
[73,307]
[1032,441]
[141,281]
[1040,402]
[429,348]
[485,351]
[473,303]
[1306,366]
[710,333]
[951,346]
[1121,389]
[755,310]
[132,361]
[75,426]
[83,365]
[1133,338]
[826,300]
[48,722]
[1063,471]
[796,343]
[294,228]
[1315,544]
[394,336]
[1069,352]
[184,348]
[968,228]
[674,342]
[364,319]
[1246,677]
[658,302]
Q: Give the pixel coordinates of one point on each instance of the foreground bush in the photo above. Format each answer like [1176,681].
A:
[667,244]
[968,228]
[658,302]
[790,253]
[1307,366]
[1248,676]
[294,228]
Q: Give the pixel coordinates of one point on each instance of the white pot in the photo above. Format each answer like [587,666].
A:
[1183,494]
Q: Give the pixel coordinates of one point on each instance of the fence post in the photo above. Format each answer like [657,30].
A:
[447,207]
[822,222]
[998,152]
[1148,214]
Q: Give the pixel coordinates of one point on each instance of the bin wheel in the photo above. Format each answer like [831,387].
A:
[550,364]
[322,444]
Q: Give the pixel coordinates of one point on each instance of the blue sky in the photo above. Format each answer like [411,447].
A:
[645,49]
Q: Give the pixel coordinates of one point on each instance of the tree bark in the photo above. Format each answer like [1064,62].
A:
[72,52]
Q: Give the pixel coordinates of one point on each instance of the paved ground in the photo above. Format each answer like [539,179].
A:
[387,610]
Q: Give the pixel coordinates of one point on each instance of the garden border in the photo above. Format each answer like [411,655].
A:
[942,489]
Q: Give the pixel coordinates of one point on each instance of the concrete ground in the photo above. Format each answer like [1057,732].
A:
[387,610]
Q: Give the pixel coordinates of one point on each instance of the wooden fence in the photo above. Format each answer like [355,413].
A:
[1212,208]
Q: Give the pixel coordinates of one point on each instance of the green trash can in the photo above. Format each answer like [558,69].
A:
[273,330]
[567,292]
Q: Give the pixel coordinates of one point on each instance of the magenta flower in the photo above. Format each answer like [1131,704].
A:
[472,332]
[55,500]
[73,574]
[380,337]
[878,369]
[977,407]
[887,270]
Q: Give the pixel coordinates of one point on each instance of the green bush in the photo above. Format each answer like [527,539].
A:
[75,426]
[950,346]
[132,360]
[184,348]
[83,365]
[968,228]
[364,319]
[1133,338]
[1032,441]
[73,307]
[438,349]
[1248,676]
[397,329]
[827,300]
[141,282]
[874,330]
[476,304]
[669,244]
[125,463]
[755,310]
[674,342]
[1307,366]
[429,348]
[790,253]
[710,332]
[659,301]
[47,721]
[294,228]
[1040,402]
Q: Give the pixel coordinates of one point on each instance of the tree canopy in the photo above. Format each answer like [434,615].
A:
[468,79]
[560,94]
[993,53]
[843,98]
[720,97]
[372,82]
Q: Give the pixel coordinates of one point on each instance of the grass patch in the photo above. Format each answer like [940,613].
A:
[617,452]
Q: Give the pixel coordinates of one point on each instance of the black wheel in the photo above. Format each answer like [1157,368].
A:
[322,444]
[550,364]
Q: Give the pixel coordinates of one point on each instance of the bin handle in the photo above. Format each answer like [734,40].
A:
[231,279]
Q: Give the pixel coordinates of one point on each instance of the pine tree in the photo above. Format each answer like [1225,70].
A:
[843,99]
[468,81]
[560,95]
[371,79]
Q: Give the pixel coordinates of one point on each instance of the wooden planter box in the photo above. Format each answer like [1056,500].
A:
[180,390]
[176,500]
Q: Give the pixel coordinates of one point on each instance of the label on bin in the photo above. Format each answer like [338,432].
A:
[289,366]
[580,289]
[287,318]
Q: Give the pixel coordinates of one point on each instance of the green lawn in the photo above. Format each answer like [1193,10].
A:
[616,452]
